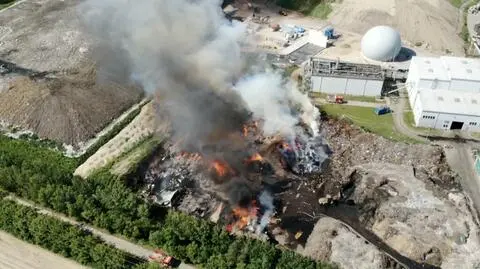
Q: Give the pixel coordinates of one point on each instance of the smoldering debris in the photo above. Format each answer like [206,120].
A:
[187,55]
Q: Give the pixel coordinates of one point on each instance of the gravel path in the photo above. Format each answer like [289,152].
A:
[17,254]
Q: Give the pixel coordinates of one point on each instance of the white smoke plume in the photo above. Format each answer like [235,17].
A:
[187,54]
[271,98]
[266,200]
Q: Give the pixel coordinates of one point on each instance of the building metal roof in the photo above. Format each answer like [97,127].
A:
[462,68]
[331,68]
[431,68]
[447,68]
[450,102]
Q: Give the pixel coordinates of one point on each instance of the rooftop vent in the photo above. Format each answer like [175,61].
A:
[427,61]
[457,100]
[430,70]
[474,101]
[464,62]
[469,71]
[440,98]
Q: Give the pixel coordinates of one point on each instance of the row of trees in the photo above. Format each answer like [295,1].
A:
[105,201]
[61,237]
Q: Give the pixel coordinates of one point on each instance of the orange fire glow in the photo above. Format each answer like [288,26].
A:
[251,127]
[255,158]
[285,145]
[190,156]
[245,215]
[221,168]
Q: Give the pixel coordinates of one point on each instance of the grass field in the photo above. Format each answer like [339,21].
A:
[456,3]
[6,3]
[370,99]
[365,118]
[316,8]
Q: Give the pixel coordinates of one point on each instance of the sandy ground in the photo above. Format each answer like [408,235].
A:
[141,127]
[431,22]
[16,254]
[428,27]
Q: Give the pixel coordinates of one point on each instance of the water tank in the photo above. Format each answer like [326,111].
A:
[381,43]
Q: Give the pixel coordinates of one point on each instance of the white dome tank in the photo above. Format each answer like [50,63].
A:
[381,43]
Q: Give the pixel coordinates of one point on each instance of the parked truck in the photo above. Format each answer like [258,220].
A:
[381,110]
[160,257]
[337,99]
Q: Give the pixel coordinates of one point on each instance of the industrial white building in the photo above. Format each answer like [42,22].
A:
[335,77]
[444,92]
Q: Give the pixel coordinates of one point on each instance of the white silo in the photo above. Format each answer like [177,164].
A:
[381,43]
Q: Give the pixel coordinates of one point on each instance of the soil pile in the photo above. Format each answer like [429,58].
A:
[332,241]
[401,210]
[352,146]
[70,108]
[48,82]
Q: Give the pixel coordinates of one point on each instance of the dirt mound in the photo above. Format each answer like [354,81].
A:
[48,83]
[69,108]
[352,146]
[414,221]
[331,240]
[430,22]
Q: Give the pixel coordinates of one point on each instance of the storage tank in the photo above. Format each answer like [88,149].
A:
[381,43]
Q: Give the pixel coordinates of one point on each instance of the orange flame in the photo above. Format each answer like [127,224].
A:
[255,158]
[245,130]
[221,168]
[285,145]
[245,215]
[190,156]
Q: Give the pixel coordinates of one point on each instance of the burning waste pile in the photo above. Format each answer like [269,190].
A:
[232,132]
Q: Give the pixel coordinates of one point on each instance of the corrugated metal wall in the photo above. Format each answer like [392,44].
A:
[334,85]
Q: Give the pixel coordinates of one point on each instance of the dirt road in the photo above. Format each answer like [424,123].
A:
[398,107]
[118,242]
[460,159]
[459,155]
[17,254]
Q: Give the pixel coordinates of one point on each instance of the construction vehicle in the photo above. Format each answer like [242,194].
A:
[381,110]
[337,99]
[161,258]
[329,32]
[283,12]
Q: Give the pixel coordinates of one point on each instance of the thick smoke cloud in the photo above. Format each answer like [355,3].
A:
[188,55]
[182,51]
